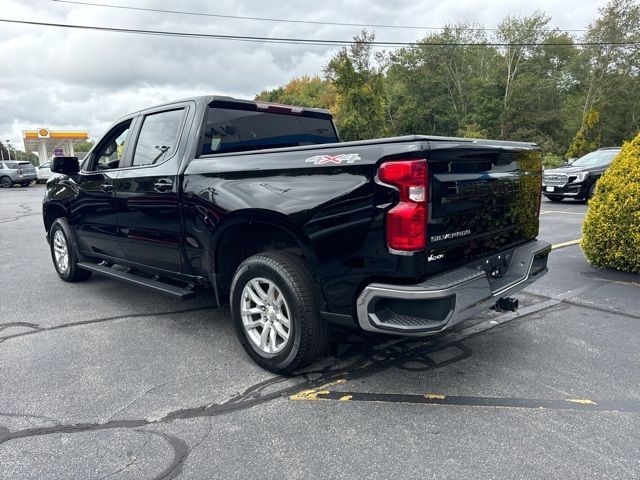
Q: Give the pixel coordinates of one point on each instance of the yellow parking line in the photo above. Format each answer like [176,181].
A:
[565,244]
[434,396]
[312,393]
[581,401]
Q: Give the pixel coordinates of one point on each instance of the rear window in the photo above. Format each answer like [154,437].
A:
[25,165]
[231,130]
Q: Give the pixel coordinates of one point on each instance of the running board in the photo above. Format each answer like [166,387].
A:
[152,283]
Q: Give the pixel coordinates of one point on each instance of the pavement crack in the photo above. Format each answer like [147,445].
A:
[100,320]
[139,397]
[34,326]
[363,356]
[134,459]
[602,309]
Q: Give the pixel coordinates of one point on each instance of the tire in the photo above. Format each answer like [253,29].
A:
[6,182]
[555,199]
[292,298]
[592,190]
[61,244]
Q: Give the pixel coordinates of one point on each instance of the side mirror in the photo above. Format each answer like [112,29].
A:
[65,165]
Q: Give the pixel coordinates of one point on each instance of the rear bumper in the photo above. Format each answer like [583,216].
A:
[24,178]
[445,300]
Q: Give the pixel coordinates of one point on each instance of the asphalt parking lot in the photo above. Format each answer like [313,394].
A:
[103,380]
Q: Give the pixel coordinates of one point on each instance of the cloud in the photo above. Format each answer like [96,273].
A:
[74,79]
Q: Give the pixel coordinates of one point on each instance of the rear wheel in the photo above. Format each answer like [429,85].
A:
[275,313]
[65,258]
[5,182]
[553,198]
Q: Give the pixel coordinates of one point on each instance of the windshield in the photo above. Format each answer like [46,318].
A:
[596,159]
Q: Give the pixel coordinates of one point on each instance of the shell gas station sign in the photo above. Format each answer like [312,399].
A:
[48,142]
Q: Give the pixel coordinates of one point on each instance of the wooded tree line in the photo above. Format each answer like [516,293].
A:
[569,93]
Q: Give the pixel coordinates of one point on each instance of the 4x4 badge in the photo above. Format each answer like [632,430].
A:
[336,159]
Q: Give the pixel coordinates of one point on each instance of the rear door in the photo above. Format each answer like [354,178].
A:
[147,190]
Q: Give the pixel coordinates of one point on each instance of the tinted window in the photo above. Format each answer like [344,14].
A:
[158,137]
[229,130]
[11,165]
[111,149]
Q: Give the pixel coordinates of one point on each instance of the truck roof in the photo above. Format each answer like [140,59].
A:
[231,101]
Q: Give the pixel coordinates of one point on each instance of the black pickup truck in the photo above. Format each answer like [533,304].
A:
[294,230]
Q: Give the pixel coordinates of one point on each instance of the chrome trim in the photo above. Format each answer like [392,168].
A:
[406,253]
[555,179]
[470,288]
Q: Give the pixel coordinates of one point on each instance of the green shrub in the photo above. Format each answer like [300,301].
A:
[551,160]
[611,229]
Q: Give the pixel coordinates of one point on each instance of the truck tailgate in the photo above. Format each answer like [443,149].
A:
[483,199]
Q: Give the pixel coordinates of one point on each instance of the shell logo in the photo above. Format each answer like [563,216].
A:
[43,133]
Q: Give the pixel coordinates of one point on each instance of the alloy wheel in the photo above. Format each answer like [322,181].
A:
[265,315]
[60,251]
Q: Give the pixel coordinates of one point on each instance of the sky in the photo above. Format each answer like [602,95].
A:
[83,80]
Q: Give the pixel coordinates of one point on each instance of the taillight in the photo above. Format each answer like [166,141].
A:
[407,221]
[19,171]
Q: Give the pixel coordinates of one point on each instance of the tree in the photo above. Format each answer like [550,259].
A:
[359,85]
[304,91]
[540,86]
[4,152]
[438,86]
[586,139]
[523,36]
[612,77]
[84,146]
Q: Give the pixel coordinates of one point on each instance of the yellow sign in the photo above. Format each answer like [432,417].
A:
[43,133]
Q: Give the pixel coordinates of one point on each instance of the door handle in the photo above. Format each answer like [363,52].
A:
[163,186]
[106,187]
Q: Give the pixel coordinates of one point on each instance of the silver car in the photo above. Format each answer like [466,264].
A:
[12,172]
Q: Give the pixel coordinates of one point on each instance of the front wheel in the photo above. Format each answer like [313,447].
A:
[65,258]
[275,313]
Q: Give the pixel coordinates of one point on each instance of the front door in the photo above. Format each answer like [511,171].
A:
[94,216]
[147,193]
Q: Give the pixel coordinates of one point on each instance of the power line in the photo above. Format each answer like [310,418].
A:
[278,20]
[304,41]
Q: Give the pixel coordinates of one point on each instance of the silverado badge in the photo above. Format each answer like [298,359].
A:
[336,159]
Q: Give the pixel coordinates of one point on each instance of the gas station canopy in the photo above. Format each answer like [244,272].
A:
[48,142]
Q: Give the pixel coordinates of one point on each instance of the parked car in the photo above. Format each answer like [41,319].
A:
[13,172]
[578,179]
[294,230]
[44,171]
